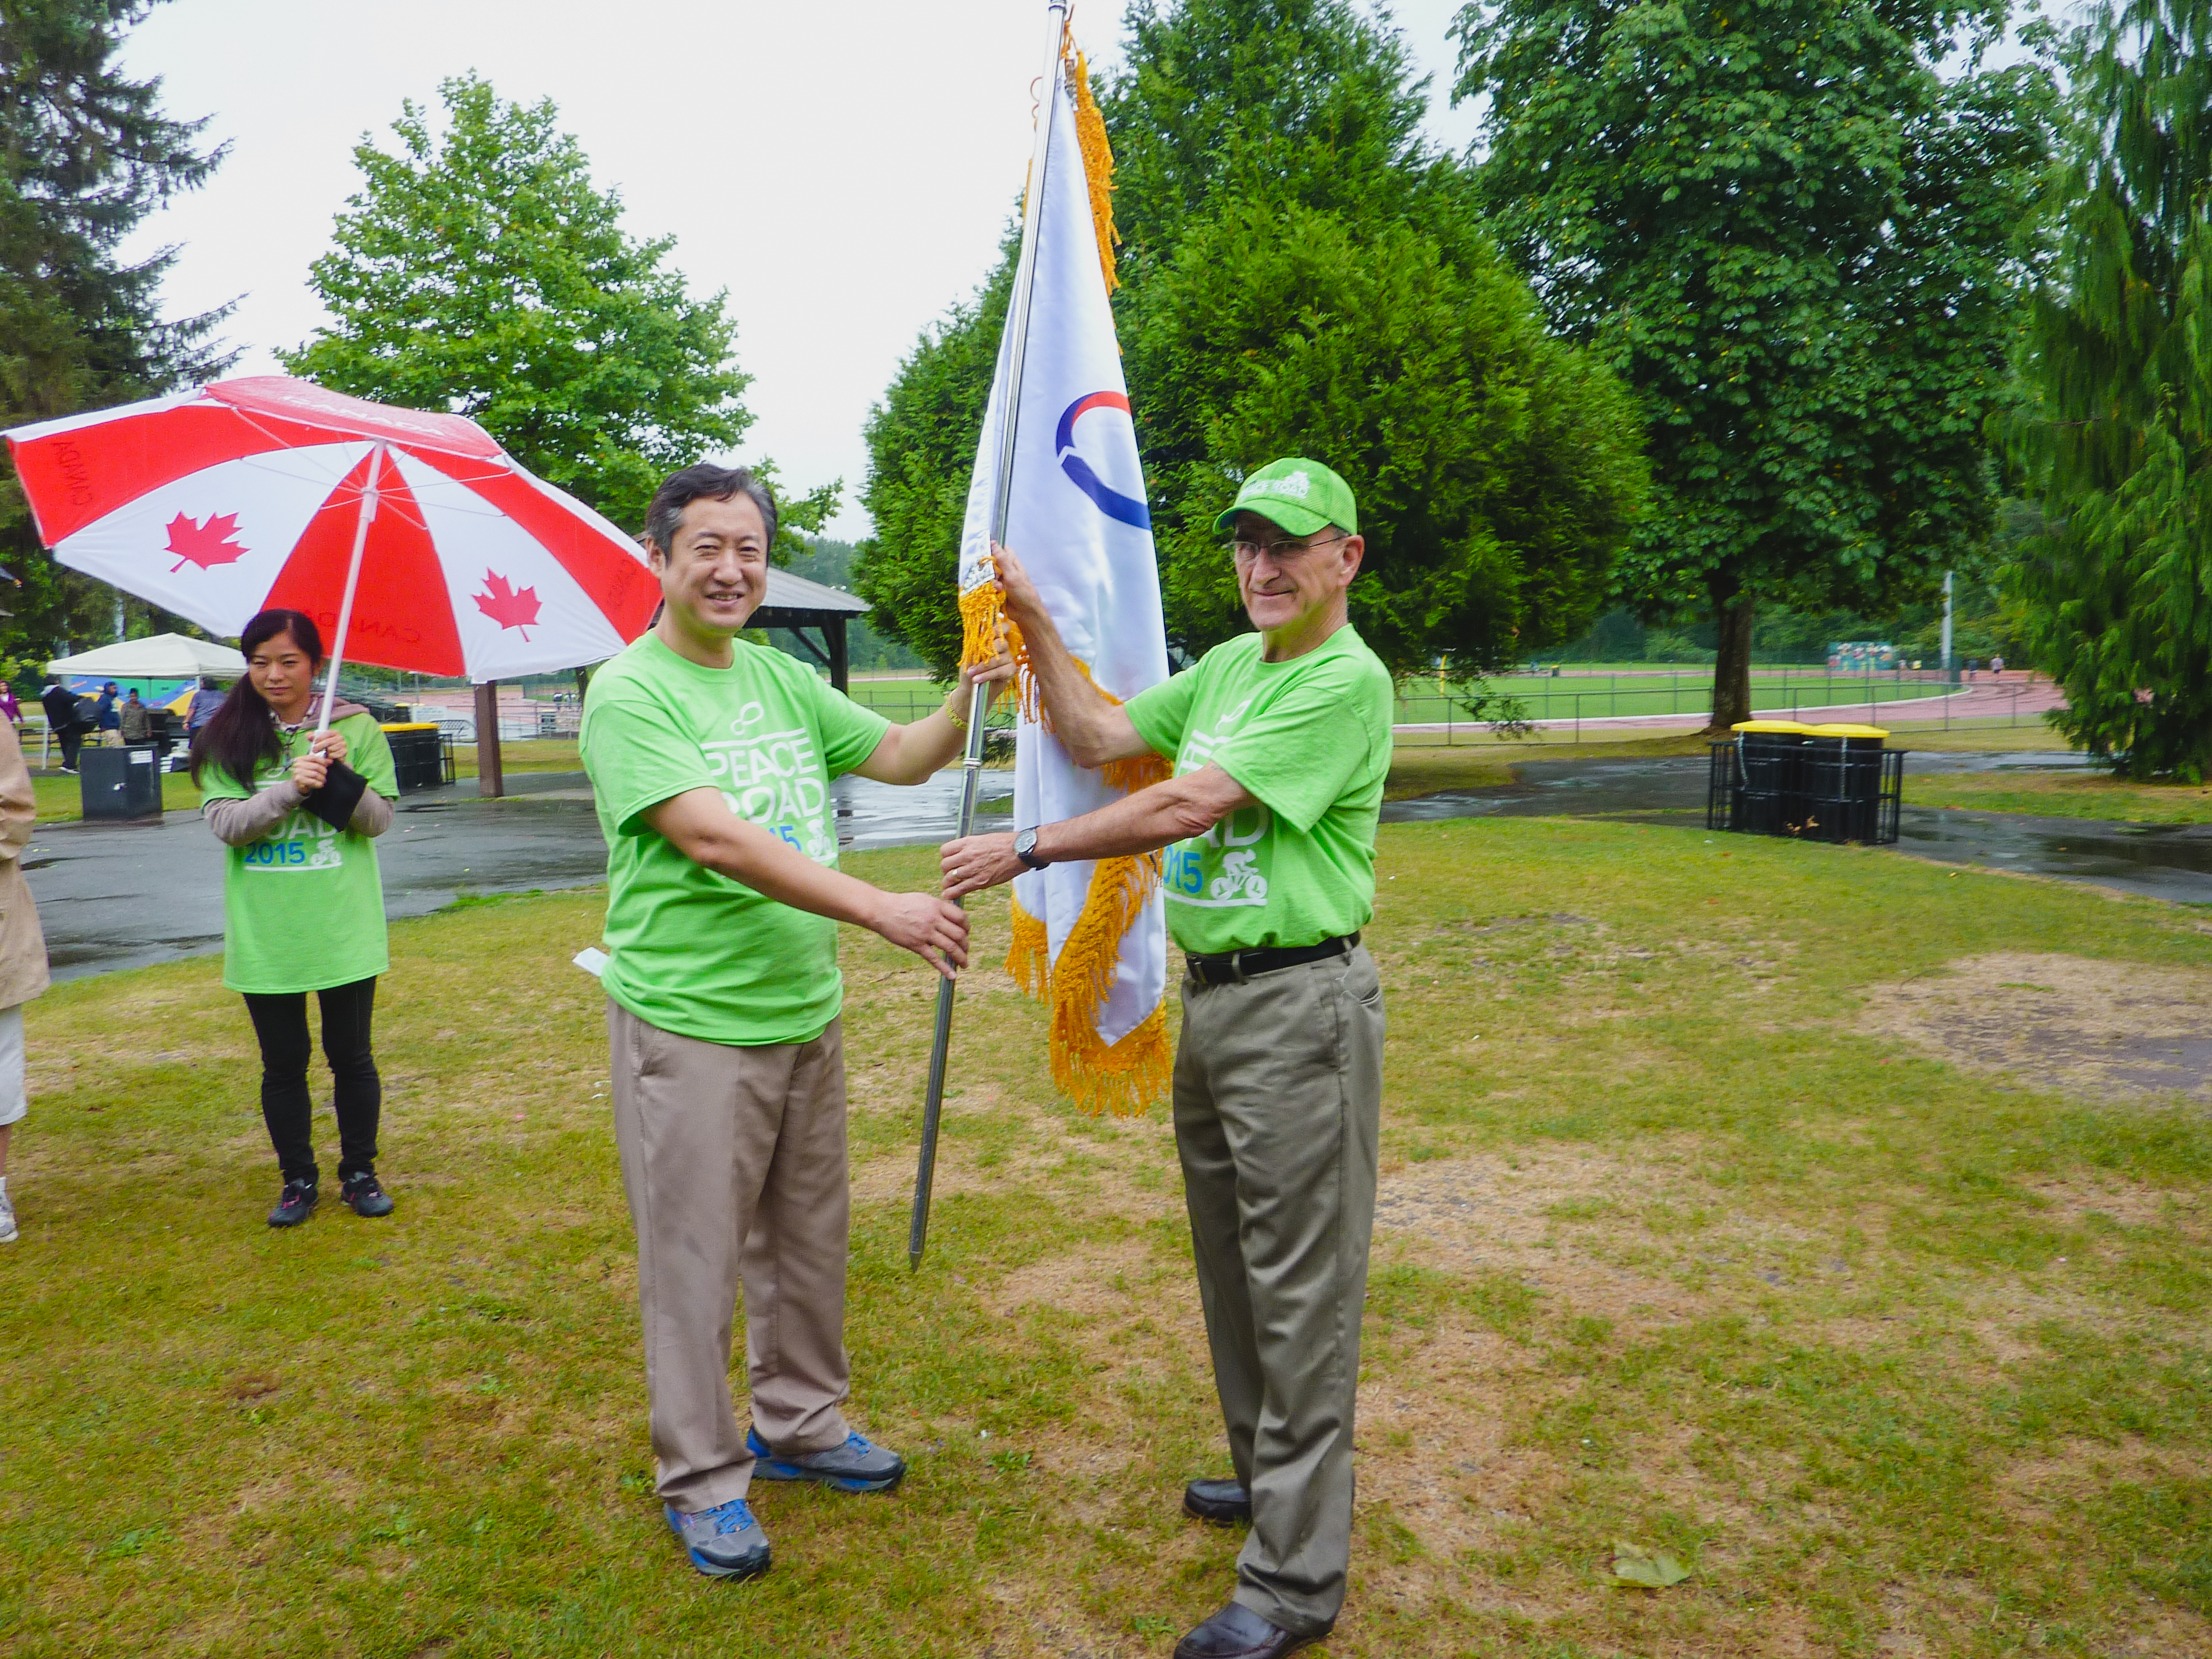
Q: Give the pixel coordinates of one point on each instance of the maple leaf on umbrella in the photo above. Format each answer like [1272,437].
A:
[510,607]
[205,544]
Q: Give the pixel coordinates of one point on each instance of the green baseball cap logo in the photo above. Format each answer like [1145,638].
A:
[1299,495]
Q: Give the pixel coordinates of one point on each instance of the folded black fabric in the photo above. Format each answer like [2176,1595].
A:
[343,789]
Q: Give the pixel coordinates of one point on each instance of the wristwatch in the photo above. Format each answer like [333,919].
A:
[1025,850]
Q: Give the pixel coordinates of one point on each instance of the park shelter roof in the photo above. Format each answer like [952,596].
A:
[159,657]
[794,594]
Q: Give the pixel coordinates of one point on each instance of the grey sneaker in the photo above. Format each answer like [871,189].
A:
[723,1542]
[7,1220]
[858,1465]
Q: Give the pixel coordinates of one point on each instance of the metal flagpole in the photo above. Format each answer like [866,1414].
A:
[353,581]
[932,1109]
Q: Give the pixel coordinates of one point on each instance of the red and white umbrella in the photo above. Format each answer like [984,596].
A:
[412,538]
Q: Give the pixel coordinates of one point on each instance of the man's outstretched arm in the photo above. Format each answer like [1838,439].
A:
[1149,820]
[1092,729]
[700,825]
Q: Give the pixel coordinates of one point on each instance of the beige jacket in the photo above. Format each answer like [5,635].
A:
[22,942]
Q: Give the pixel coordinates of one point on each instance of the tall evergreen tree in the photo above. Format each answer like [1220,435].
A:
[2118,431]
[1796,239]
[85,154]
[1300,276]
[481,271]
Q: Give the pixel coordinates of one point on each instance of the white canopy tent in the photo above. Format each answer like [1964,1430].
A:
[159,657]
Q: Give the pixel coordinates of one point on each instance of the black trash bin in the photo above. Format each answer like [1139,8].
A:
[120,783]
[1754,787]
[417,755]
[1853,785]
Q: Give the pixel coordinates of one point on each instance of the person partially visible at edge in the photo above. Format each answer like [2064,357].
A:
[64,721]
[303,902]
[711,758]
[134,720]
[206,701]
[10,710]
[22,951]
[1281,740]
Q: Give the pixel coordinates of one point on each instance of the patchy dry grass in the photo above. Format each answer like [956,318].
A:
[1702,1225]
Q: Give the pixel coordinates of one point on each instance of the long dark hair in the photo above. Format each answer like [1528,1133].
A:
[242,734]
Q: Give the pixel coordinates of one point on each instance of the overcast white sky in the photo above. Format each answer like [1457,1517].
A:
[843,171]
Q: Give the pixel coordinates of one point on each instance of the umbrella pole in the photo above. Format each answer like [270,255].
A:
[353,581]
[932,1109]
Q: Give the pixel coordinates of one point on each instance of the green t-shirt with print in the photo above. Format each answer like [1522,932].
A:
[691,950]
[1310,738]
[303,907]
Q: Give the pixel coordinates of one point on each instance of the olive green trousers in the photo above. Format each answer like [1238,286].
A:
[1278,1104]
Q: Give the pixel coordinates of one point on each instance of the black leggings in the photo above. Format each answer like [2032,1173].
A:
[279,1021]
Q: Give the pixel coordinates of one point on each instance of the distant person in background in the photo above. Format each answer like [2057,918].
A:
[104,717]
[303,902]
[10,710]
[206,701]
[134,720]
[63,721]
[22,951]
[1997,668]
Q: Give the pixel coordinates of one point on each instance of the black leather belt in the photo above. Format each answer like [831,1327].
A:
[1234,966]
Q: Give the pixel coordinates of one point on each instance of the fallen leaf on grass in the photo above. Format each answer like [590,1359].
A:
[1635,1567]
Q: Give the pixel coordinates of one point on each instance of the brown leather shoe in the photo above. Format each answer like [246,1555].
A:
[1237,1633]
[1223,1503]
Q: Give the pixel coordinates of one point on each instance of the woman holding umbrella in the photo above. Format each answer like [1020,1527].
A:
[303,900]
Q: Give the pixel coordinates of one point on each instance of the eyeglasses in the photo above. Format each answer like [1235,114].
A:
[1281,552]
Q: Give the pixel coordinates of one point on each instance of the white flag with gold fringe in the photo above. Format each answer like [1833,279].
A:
[1090,939]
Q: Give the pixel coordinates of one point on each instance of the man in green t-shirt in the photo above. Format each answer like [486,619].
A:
[1281,740]
[710,758]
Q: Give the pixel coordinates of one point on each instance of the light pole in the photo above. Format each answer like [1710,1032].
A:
[1950,673]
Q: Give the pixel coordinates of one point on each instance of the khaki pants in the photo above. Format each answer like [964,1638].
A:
[733,1159]
[1277,1103]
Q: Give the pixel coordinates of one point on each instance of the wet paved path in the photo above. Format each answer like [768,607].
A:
[120,896]
[2167,861]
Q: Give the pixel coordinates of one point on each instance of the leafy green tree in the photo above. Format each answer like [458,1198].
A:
[2119,433]
[1300,276]
[483,272]
[1798,241]
[921,448]
[1496,469]
[85,154]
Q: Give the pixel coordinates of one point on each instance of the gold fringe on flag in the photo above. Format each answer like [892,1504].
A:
[1126,1077]
[1123,1078]
[1029,957]
[1097,164]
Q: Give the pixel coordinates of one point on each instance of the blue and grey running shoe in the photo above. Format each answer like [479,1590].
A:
[723,1542]
[858,1465]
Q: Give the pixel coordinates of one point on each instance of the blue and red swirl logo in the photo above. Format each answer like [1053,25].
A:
[1126,509]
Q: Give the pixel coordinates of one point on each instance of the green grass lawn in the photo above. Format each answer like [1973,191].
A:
[60,799]
[1684,1240]
[1595,694]
[2065,795]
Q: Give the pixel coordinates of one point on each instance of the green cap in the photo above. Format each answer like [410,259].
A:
[1300,495]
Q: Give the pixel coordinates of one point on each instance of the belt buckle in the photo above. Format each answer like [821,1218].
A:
[1236,967]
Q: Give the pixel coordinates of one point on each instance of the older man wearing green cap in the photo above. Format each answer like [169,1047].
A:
[1280,739]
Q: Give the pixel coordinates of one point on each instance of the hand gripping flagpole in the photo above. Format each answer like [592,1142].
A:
[979,700]
[353,581]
